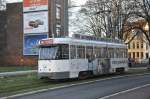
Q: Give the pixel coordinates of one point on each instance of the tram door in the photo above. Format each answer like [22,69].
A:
[105,65]
[92,60]
[90,65]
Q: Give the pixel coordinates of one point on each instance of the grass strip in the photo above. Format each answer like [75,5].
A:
[16,68]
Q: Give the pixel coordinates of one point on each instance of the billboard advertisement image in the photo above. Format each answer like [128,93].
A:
[35,5]
[36,22]
[31,42]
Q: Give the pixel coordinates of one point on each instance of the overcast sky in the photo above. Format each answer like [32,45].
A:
[80,2]
[13,1]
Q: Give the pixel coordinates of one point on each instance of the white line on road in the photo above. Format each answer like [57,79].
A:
[71,85]
[122,92]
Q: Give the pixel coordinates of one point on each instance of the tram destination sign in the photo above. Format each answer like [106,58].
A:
[35,5]
[46,42]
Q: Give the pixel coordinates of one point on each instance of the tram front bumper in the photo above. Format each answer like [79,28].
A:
[54,75]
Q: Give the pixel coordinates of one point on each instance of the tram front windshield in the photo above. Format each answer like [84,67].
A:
[57,52]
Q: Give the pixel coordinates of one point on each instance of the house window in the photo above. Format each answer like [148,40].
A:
[137,44]
[134,55]
[129,46]
[147,56]
[58,11]
[129,54]
[58,31]
[142,55]
[146,46]
[138,55]
[141,44]
[133,45]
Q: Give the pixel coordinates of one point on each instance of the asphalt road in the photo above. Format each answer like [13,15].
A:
[93,90]
[141,93]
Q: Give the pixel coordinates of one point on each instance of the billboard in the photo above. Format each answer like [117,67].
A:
[35,5]
[31,42]
[36,22]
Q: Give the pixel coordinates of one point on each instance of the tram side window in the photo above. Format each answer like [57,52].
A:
[104,52]
[97,52]
[120,53]
[73,51]
[80,52]
[108,53]
[89,53]
[111,52]
[125,53]
[63,52]
[117,53]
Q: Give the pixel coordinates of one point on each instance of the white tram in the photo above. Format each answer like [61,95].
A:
[61,58]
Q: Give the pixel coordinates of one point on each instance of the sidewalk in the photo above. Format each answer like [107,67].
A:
[16,73]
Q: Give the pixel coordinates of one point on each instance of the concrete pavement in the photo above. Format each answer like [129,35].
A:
[16,73]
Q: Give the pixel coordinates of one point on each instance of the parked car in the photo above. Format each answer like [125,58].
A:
[36,23]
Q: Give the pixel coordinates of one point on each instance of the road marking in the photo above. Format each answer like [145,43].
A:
[71,85]
[122,92]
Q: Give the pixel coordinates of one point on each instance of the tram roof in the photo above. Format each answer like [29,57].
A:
[83,42]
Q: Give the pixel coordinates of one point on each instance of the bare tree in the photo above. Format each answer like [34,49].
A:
[112,17]
[141,10]
[2,4]
[75,19]
[106,17]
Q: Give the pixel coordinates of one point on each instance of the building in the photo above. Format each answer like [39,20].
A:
[138,48]
[2,32]
[12,36]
